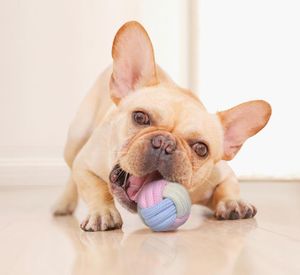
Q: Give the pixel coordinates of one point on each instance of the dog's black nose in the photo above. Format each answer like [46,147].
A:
[164,142]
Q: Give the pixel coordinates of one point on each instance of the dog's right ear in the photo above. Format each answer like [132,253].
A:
[133,61]
[241,122]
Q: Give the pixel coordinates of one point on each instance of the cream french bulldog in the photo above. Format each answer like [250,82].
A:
[136,125]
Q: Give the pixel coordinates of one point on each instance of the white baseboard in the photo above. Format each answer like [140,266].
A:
[35,172]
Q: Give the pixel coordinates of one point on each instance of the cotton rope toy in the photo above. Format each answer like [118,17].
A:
[163,205]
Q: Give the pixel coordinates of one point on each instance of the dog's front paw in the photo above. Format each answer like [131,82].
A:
[107,219]
[234,210]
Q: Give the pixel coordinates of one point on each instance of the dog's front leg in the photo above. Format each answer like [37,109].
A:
[226,201]
[103,214]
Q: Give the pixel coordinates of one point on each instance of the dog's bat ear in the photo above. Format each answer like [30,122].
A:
[242,122]
[133,61]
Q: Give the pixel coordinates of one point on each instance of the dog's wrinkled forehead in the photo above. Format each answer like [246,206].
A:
[161,100]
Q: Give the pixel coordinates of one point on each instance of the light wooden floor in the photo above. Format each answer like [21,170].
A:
[33,242]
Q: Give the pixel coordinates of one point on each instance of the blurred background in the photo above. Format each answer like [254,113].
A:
[52,51]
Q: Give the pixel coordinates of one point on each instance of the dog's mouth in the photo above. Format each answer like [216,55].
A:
[126,187]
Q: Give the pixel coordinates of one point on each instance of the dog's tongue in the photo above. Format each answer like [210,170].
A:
[135,184]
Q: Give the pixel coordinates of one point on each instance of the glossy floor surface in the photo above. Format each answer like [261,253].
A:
[33,242]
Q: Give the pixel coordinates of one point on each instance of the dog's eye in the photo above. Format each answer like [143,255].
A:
[201,149]
[141,118]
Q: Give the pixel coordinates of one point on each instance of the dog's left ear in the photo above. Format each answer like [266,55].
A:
[133,61]
[242,122]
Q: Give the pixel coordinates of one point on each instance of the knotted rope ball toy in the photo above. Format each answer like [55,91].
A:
[163,206]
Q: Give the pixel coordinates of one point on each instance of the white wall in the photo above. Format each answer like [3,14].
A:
[251,50]
[50,54]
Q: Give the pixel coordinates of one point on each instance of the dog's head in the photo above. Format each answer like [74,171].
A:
[163,131]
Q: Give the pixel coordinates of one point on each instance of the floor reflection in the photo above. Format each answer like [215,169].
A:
[211,248]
